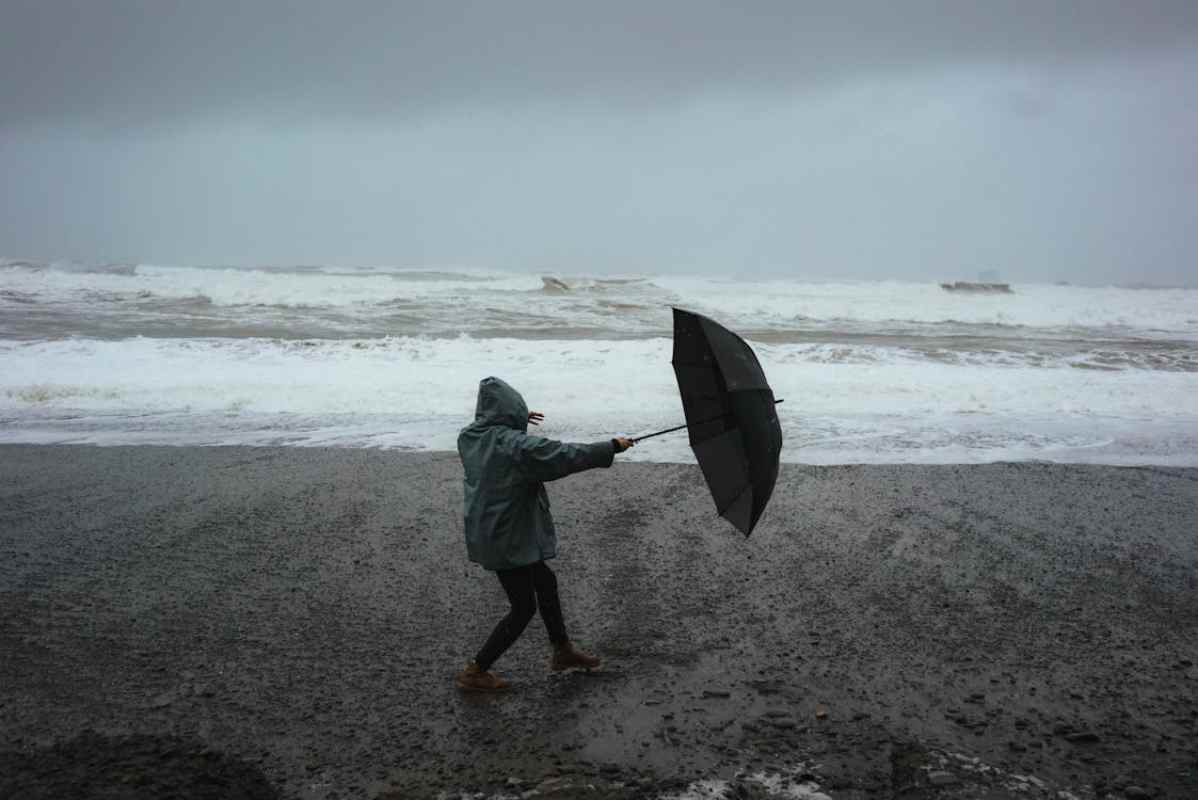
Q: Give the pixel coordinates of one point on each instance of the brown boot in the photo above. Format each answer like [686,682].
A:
[566,657]
[474,679]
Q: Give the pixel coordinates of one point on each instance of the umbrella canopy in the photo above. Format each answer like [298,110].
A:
[730,416]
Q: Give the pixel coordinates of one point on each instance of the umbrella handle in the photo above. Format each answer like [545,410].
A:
[636,439]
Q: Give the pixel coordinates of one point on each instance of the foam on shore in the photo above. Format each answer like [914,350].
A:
[843,404]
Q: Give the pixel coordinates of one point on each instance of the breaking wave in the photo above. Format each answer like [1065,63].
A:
[619,306]
[378,356]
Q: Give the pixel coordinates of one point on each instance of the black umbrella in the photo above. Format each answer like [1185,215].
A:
[730,416]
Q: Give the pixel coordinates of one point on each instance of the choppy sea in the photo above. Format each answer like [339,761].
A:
[871,372]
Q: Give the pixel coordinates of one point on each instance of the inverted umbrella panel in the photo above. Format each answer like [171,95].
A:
[730,416]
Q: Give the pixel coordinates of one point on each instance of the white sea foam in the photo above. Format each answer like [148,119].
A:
[254,287]
[501,298]
[417,392]
[1036,306]
[871,372]
[785,786]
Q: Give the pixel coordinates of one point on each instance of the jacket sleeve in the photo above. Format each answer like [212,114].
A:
[547,460]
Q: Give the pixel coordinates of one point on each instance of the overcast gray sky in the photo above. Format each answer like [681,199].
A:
[1046,140]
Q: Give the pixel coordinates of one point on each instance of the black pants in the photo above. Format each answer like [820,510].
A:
[527,588]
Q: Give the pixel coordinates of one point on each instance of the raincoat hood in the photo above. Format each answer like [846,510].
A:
[507,521]
[500,404]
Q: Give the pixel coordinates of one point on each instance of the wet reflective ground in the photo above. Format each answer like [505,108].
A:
[985,631]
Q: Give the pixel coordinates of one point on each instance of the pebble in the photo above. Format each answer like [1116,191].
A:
[942,778]
[163,700]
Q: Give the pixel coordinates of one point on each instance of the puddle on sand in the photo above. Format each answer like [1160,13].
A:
[648,725]
[702,720]
[704,730]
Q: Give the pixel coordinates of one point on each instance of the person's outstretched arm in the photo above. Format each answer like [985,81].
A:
[547,460]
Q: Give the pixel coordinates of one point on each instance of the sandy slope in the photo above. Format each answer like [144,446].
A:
[1010,629]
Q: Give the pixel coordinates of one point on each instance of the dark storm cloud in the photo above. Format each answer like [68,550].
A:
[138,61]
[920,139]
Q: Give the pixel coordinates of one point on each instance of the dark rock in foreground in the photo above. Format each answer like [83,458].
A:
[136,767]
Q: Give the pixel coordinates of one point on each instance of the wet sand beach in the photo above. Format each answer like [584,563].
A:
[287,622]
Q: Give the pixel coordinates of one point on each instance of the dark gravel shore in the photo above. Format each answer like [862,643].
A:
[234,622]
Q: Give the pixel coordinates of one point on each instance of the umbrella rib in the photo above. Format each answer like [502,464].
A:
[732,502]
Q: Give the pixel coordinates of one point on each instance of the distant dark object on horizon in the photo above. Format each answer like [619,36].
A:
[554,285]
[1146,286]
[980,288]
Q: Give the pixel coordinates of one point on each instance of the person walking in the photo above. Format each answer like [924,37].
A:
[509,529]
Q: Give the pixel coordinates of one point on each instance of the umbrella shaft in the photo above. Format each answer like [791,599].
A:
[688,425]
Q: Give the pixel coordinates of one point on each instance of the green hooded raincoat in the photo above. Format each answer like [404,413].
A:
[508,523]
